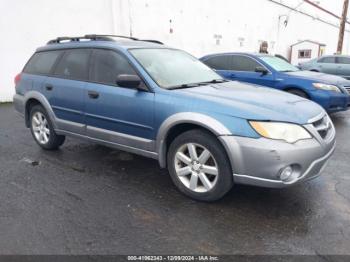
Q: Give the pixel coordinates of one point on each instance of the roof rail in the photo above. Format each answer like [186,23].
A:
[94,37]
[152,41]
[77,39]
[127,37]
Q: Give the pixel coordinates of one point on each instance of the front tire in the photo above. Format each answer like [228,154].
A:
[199,166]
[298,93]
[42,129]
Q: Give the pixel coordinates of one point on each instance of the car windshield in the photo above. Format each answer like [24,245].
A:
[279,64]
[171,68]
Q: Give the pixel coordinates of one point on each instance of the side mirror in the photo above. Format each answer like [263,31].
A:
[262,70]
[131,81]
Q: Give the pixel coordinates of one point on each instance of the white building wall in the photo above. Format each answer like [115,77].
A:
[196,22]
[28,24]
[242,24]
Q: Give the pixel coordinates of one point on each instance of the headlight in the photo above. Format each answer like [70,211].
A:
[290,133]
[327,87]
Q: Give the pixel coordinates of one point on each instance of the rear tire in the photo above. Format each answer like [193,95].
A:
[199,166]
[298,93]
[42,129]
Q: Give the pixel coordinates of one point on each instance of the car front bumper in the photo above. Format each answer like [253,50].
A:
[260,162]
[332,102]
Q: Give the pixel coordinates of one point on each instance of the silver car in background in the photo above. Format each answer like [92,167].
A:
[335,65]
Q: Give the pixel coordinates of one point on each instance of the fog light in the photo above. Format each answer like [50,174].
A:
[286,174]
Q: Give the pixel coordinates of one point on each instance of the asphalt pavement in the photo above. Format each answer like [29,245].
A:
[90,199]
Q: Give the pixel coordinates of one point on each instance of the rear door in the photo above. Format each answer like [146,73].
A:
[36,71]
[119,115]
[343,68]
[65,89]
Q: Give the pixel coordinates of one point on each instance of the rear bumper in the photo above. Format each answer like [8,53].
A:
[259,162]
[19,104]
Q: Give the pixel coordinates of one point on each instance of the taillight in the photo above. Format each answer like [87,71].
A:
[17,79]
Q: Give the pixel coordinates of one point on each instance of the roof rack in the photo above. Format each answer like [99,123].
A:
[152,41]
[94,37]
[58,40]
[98,37]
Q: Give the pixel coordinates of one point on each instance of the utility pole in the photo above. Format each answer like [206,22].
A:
[342,27]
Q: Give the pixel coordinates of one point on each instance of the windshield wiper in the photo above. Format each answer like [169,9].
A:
[184,86]
[215,81]
[288,71]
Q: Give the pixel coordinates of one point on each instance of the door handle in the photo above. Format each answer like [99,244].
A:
[48,87]
[232,75]
[93,94]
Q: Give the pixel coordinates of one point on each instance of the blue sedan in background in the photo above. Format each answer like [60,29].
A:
[331,92]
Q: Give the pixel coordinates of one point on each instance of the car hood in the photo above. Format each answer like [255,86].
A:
[252,102]
[319,77]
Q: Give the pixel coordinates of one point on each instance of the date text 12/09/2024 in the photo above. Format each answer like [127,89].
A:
[173,258]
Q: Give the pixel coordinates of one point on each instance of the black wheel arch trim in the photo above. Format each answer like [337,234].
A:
[41,99]
[201,120]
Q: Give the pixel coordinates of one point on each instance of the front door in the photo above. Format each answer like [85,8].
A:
[119,115]
[343,68]
[243,69]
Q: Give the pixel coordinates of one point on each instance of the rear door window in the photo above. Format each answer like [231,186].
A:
[221,62]
[327,60]
[74,65]
[42,63]
[108,65]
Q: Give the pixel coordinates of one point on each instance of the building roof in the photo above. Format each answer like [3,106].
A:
[309,41]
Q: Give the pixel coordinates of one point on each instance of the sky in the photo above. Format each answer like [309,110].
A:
[335,6]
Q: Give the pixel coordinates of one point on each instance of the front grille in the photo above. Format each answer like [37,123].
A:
[323,126]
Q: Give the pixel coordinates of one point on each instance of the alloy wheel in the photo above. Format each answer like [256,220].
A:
[41,128]
[196,167]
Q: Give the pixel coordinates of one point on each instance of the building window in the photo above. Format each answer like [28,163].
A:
[304,53]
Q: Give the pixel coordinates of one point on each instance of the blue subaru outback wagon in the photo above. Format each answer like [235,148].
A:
[162,103]
[331,92]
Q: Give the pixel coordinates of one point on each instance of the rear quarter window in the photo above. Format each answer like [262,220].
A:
[41,63]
